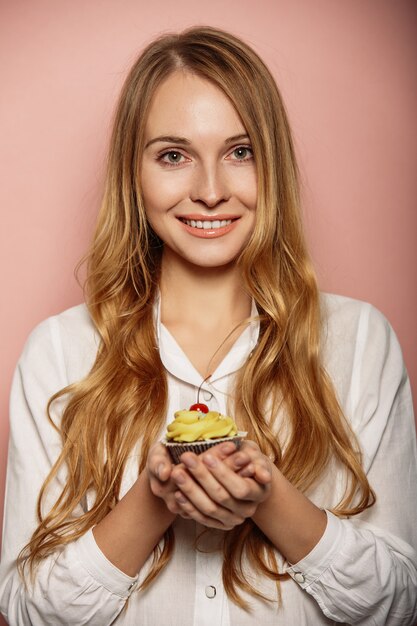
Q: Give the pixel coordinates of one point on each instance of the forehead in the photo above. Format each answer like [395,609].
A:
[191,106]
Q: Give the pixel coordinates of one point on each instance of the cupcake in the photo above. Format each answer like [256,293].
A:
[197,431]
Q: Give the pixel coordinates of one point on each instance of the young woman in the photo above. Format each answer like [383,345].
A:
[198,270]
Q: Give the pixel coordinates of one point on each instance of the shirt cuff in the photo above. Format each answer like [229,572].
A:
[312,566]
[100,568]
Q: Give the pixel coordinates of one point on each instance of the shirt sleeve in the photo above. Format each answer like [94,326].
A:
[364,569]
[76,585]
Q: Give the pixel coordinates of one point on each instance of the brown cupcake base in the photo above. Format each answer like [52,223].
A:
[176,449]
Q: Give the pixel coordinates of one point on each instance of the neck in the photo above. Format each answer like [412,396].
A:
[213,292]
[203,309]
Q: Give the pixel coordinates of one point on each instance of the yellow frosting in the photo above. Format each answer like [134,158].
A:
[191,426]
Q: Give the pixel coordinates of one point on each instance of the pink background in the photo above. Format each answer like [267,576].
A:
[347,72]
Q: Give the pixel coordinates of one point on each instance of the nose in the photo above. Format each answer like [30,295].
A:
[209,186]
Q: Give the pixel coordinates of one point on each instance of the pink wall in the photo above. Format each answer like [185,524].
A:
[347,72]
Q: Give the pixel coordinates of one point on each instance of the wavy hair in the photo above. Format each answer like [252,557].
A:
[122,402]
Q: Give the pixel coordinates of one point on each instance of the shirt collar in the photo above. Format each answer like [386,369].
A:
[177,363]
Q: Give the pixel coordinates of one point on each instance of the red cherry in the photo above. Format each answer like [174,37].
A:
[203,408]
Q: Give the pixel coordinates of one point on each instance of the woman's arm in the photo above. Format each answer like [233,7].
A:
[359,573]
[128,534]
[213,493]
[364,569]
[78,584]
[361,570]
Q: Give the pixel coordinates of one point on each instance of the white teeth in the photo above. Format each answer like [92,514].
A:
[207,224]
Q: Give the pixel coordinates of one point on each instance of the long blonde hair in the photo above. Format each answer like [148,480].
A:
[123,400]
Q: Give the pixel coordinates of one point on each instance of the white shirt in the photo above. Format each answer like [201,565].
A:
[362,571]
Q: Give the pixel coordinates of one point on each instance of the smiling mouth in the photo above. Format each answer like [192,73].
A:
[206,224]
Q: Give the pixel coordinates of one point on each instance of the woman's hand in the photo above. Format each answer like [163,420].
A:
[222,487]
[159,467]
[258,466]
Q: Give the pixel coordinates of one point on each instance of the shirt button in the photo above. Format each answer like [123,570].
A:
[299,578]
[210,591]
[207,395]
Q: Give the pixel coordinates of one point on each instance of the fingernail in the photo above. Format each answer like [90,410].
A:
[189,461]
[180,498]
[210,460]
[159,469]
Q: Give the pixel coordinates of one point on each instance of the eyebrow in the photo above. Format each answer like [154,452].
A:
[186,142]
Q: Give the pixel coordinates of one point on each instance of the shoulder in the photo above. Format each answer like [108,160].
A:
[348,320]
[67,341]
[360,350]
[339,310]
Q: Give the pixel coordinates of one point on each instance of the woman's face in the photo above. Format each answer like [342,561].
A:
[198,175]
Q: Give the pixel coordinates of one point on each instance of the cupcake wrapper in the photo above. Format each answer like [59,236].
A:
[176,449]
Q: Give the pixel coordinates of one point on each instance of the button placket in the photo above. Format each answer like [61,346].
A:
[209,598]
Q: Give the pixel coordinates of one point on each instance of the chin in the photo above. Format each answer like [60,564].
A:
[214,263]
[201,256]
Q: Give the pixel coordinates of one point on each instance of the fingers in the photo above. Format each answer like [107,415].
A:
[208,495]
[219,488]
[240,487]
[258,465]
[237,460]
[159,462]
[224,450]
[260,471]
[240,462]
[221,519]
[159,467]
[213,490]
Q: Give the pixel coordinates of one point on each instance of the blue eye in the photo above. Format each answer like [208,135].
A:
[172,157]
[242,153]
